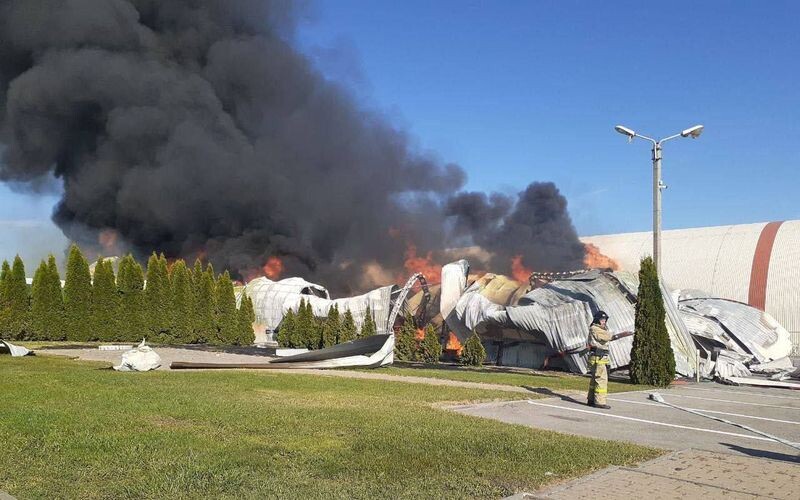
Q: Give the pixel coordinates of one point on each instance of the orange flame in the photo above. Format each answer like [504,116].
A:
[453,344]
[425,265]
[273,268]
[518,270]
[594,259]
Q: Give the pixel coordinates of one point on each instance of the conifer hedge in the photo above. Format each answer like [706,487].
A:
[174,305]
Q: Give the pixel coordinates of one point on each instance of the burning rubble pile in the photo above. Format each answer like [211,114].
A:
[542,321]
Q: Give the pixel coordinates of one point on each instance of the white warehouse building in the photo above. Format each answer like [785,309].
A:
[757,264]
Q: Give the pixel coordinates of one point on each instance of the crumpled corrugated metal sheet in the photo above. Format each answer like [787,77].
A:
[730,364]
[472,310]
[754,330]
[562,310]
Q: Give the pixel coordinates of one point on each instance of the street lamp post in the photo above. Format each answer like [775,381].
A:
[658,185]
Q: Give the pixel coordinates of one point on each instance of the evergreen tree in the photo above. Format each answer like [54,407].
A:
[38,301]
[368,328]
[652,359]
[473,353]
[130,282]
[286,330]
[77,296]
[105,303]
[226,311]
[15,317]
[47,303]
[182,304]
[246,317]
[205,327]
[196,274]
[430,350]
[57,317]
[306,327]
[156,294]
[331,328]
[405,343]
[349,330]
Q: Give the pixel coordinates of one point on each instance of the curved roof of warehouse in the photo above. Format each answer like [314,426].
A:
[758,264]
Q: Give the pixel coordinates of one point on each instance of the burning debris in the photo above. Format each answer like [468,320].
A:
[543,321]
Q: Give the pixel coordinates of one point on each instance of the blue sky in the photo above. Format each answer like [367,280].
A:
[521,91]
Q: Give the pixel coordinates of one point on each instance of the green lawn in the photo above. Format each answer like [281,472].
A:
[554,380]
[73,429]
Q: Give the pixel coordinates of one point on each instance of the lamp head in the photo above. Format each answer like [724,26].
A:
[625,131]
[693,132]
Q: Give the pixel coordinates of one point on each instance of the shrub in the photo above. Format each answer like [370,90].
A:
[246,316]
[227,323]
[473,353]
[286,330]
[652,359]
[405,342]
[331,328]
[430,349]
[368,327]
[349,330]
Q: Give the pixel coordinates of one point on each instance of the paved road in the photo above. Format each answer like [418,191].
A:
[636,419]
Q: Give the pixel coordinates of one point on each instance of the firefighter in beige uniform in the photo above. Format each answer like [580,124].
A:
[599,337]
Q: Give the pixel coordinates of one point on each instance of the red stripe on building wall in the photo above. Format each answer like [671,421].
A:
[760,270]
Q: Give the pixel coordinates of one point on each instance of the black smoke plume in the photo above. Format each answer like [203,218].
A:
[196,127]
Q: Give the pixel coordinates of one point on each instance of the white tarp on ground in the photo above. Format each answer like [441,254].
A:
[14,350]
[139,359]
[273,299]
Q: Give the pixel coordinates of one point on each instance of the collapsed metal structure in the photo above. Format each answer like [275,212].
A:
[543,323]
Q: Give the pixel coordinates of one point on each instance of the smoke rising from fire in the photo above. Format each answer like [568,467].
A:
[197,128]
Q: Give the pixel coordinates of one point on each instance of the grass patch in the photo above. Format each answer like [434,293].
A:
[72,429]
[552,380]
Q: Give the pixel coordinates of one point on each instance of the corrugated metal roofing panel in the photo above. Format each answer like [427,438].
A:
[755,330]
[783,281]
